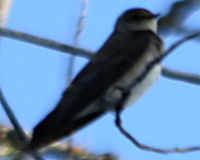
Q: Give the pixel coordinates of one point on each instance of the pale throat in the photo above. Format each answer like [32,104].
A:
[138,26]
[144,25]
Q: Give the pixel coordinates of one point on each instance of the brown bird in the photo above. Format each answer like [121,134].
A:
[95,90]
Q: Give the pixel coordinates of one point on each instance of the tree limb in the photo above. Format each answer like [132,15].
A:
[61,46]
[44,42]
[120,104]
[160,58]
[13,119]
[182,76]
[21,134]
[149,148]
[78,33]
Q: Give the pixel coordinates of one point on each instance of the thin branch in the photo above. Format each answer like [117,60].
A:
[160,58]
[21,134]
[44,42]
[149,148]
[185,31]
[81,23]
[182,76]
[13,119]
[80,27]
[58,150]
[175,45]
[53,44]
[135,82]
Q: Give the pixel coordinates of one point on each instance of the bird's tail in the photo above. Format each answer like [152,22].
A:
[43,137]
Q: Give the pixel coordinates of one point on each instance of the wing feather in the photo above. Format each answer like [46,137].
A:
[114,59]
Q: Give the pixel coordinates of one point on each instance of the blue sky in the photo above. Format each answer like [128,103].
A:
[33,78]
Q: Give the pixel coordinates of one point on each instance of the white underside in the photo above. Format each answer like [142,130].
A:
[142,87]
[110,99]
[113,95]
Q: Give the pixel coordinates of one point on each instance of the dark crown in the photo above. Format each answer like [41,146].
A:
[138,14]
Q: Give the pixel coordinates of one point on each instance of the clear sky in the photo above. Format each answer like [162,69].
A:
[33,78]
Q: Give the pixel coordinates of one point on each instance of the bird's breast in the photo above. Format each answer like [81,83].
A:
[113,94]
[139,89]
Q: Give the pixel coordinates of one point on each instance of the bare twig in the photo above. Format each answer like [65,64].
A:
[52,44]
[135,82]
[182,30]
[4,9]
[58,150]
[20,133]
[81,23]
[80,27]
[175,45]
[13,119]
[149,148]
[160,58]
[44,42]
[177,75]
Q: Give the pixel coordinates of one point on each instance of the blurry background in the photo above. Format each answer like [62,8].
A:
[33,78]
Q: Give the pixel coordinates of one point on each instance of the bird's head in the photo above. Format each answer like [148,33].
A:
[135,20]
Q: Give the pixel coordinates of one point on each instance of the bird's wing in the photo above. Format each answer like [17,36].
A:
[113,60]
[38,142]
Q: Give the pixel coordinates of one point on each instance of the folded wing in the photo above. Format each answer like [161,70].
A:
[113,60]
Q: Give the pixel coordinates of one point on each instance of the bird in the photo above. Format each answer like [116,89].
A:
[97,88]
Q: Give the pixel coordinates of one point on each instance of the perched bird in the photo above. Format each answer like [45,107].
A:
[96,89]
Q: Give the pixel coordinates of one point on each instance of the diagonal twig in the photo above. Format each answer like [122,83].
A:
[149,148]
[160,58]
[4,9]
[52,44]
[13,119]
[20,133]
[44,42]
[135,82]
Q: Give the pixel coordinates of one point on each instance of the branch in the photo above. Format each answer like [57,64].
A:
[120,104]
[182,76]
[20,133]
[54,45]
[44,42]
[81,22]
[79,30]
[149,148]
[160,58]
[176,44]
[13,119]
[58,150]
